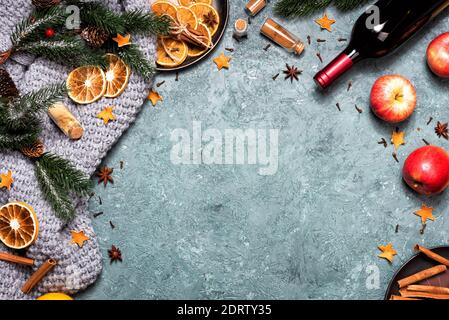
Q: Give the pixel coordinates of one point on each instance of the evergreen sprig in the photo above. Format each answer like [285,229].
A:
[58,179]
[299,8]
[139,22]
[135,22]
[19,117]
[134,58]
[28,29]
[71,51]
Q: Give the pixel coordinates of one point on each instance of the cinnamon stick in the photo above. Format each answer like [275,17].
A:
[425,274]
[416,294]
[432,255]
[37,276]
[393,297]
[16,259]
[429,289]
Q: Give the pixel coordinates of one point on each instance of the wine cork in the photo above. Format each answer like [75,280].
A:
[241,28]
[253,7]
[66,121]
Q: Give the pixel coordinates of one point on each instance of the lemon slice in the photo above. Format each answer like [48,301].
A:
[86,84]
[207,15]
[117,76]
[164,8]
[19,227]
[204,31]
[186,17]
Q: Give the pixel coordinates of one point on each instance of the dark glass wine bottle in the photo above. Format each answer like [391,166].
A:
[397,21]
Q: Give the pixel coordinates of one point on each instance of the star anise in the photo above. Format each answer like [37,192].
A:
[210,19]
[441,130]
[115,254]
[104,175]
[291,73]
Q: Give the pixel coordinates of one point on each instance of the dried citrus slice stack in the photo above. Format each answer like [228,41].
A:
[164,8]
[207,15]
[86,84]
[19,227]
[117,76]
[188,17]
[204,31]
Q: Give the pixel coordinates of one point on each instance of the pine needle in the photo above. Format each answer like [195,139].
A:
[299,8]
[57,198]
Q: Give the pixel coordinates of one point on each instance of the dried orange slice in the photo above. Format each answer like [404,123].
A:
[18,225]
[187,3]
[204,31]
[164,8]
[207,14]
[187,17]
[117,76]
[86,84]
[177,50]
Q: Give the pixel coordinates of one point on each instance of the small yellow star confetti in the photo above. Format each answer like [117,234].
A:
[397,138]
[425,213]
[79,238]
[154,97]
[388,252]
[222,61]
[325,22]
[122,40]
[106,115]
[6,180]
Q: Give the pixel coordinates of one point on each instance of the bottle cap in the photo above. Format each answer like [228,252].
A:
[333,70]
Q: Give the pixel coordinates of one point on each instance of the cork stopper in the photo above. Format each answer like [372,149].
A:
[298,48]
[240,28]
[253,7]
[76,133]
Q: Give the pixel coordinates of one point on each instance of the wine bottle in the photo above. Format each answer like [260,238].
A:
[397,21]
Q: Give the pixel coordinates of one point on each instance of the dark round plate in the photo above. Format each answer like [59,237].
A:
[416,264]
[222,7]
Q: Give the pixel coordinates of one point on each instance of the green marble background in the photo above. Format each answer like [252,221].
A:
[308,232]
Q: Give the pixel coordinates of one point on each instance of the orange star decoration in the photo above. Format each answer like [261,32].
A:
[388,252]
[122,40]
[79,238]
[397,138]
[154,97]
[325,22]
[106,115]
[7,180]
[222,61]
[425,213]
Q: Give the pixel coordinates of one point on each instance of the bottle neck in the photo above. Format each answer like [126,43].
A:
[337,67]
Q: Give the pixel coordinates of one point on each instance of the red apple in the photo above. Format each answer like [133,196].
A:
[426,170]
[393,98]
[438,55]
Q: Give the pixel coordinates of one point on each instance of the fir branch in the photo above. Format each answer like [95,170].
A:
[21,115]
[27,30]
[65,176]
[40,100]
[17,141]
[96,14]
[134,58]
[57,198]
[139,22]
[298,8]
[70,51]
[346,5]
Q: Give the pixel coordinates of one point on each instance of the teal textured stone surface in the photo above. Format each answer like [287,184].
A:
[310,231]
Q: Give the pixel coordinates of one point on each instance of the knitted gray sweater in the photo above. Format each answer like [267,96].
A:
[77,267]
